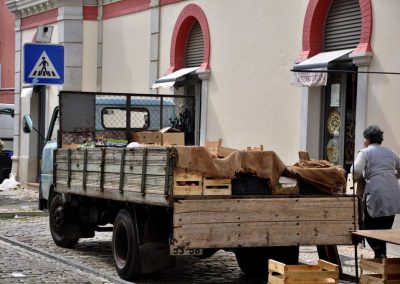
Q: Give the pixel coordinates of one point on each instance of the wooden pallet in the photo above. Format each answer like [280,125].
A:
[323,272]
[385,271]
[188,184]
[213,186]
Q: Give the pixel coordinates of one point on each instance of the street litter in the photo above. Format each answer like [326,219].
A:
[9,184]
[17,274]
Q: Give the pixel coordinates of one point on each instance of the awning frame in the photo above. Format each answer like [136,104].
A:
[169,80]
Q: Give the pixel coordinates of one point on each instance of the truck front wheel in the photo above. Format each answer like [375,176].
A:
[58,220]
[125,246]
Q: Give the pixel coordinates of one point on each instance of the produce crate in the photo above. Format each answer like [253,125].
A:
[323,272]
[385,271]
[188,184]
[213,186]
[250,184]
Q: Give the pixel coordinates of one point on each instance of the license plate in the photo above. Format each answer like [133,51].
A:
[185,251]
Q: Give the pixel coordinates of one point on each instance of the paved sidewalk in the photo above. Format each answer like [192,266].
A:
[20,201]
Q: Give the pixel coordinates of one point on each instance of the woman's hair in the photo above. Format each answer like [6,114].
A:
[374,134]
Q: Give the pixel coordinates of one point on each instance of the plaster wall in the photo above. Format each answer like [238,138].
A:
[126,53]
[383,90]
[7,53]
[89,57]
[251,99]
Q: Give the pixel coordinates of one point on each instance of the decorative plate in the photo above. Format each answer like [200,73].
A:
[332,151]
[333,122]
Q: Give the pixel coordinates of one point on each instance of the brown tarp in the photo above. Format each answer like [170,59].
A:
[324,175]
[264,164]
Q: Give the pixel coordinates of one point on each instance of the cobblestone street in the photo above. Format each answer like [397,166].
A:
[28,255]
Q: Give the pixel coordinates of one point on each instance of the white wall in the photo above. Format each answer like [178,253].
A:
[89,57]
[384,96]
[126,53]
[253,46]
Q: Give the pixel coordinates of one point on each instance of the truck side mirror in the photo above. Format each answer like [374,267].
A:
[27,124]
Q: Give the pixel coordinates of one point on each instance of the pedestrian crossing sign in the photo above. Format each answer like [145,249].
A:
[44,64]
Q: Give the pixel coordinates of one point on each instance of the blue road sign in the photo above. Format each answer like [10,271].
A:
[44,64]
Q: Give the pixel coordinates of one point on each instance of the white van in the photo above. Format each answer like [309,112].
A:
[6,126]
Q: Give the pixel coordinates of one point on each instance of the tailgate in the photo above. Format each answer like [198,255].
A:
[231,223]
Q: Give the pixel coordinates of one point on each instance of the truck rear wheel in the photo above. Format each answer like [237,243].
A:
[254,261]
[58,219]
[125,247]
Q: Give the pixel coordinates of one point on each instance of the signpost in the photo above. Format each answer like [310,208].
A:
[44,64]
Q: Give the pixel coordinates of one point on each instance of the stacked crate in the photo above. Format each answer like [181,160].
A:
[323,272]
[195,184]
[385,271]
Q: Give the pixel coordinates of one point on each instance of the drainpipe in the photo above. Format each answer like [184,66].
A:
[100,45]
[154,43]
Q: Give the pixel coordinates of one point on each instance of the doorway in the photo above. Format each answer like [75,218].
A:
[190,108]
[339,113]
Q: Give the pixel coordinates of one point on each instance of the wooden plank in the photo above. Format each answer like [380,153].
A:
[378,279]
[128,168]
[258,234]
[113,153]
[390,236]
[111,181]
[112,194]
[263,210]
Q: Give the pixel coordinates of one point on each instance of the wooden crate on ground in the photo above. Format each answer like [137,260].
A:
[213,186]
[188,184]
[385,271]
[323,272]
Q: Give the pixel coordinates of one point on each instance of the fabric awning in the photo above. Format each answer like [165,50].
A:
[318,62]
[169,80]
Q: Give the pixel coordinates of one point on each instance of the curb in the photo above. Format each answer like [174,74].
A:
[8,215]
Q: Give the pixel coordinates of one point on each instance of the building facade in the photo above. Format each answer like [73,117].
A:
[7,59]
[239,55]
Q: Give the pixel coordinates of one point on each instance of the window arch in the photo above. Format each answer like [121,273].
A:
[191,14]
[314,23]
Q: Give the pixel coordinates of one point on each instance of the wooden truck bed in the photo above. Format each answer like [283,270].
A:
[229,223]
[145,175]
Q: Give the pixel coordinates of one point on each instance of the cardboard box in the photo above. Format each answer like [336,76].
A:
[165,136]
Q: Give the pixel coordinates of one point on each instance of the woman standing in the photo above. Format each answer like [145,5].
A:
[381,200]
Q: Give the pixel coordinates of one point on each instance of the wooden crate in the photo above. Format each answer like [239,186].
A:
[323,272]
[213,186]
[188,184]
[385,271]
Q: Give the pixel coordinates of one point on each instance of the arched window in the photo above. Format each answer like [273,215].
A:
[194,46]
[315,25]
[343,25]
[191,22]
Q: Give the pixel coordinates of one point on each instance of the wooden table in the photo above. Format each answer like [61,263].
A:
[390,236]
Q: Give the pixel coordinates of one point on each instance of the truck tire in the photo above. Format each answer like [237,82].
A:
[254,261]
[125,247]
[58,218]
